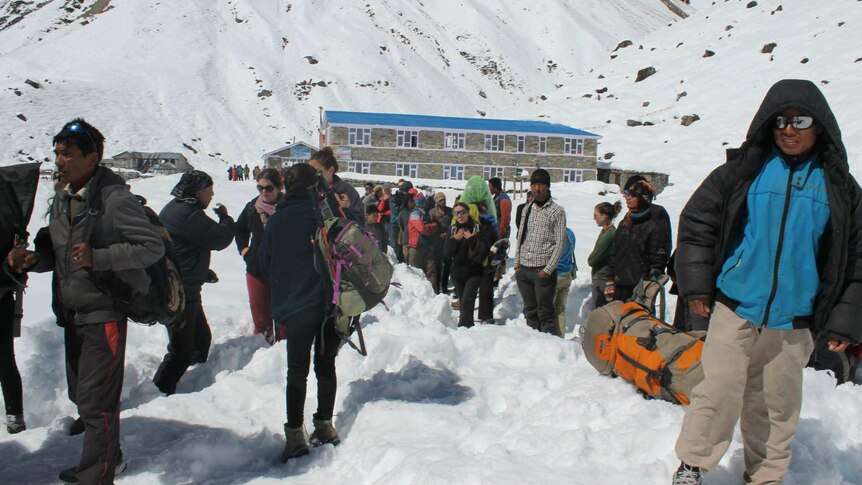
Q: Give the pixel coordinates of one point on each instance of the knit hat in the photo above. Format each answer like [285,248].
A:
[191,183]
[439,196]
[642,190]
[541,176]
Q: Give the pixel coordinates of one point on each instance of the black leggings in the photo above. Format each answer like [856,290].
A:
[303,332]
[10,378]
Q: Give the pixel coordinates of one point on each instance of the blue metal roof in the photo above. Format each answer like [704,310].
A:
[446,122]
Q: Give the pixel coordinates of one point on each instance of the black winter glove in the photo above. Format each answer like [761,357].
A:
[221,211]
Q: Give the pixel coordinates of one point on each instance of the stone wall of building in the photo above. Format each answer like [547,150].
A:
[337,135]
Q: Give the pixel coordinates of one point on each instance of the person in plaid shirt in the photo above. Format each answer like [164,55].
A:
[541,240]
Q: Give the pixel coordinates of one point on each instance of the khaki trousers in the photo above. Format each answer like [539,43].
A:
[564,282]
[754,376]
[421,257]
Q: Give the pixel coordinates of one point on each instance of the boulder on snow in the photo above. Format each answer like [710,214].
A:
[645,73]
[623,45]
[768,48]
[21,117]
[633,123]
[33,83]
[687,120]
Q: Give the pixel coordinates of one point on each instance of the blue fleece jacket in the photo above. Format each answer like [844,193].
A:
[567,261]
[749,275]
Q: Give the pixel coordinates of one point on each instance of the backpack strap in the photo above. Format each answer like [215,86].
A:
[524,221]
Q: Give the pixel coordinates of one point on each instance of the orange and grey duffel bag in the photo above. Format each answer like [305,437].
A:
[625,340]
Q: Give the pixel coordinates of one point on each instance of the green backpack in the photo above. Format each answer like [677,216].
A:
[359,272]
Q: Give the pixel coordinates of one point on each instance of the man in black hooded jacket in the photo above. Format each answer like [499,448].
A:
[769,249]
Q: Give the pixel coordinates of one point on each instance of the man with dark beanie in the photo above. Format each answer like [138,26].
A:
[194,235]
[769,251]
[541,241]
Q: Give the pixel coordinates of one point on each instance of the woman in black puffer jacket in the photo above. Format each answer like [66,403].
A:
[468,247]
[641,243]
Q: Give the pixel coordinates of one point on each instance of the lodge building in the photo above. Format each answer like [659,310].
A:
[437,147]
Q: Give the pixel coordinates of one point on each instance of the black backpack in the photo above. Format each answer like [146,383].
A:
[164,299]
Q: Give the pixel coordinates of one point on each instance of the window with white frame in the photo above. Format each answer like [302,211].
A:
[359,167]
[574,146]
[407,170]
[573,175]
[491,172]
[522,144]
[543,144]
[454,141]
[453,172]
[407,139]
[359,136]
[495,143]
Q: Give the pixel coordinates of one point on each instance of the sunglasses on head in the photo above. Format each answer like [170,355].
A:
[461,212]
[797,122]
[78,129]
[265,188]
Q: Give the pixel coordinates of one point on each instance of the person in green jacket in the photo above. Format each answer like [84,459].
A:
[604,215]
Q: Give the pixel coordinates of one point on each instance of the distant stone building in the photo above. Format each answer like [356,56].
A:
[610,175]
[150,162]
[298,152]
[436,147]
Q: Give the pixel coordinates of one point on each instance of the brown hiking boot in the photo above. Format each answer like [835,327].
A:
[324,432]
[295,445]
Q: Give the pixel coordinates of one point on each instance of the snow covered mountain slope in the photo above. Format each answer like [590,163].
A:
[234,79]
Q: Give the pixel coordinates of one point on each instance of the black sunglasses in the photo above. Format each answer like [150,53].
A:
[77,128]
[461,212]
[265,188]
[797,122]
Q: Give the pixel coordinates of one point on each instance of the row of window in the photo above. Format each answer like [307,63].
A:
[454,172]
[458,141]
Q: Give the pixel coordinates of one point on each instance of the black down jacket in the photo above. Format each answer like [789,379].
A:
[712,218]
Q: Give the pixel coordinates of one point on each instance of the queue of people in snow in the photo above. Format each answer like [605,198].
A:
[791,173]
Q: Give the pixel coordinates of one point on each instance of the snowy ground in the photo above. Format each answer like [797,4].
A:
[430,404]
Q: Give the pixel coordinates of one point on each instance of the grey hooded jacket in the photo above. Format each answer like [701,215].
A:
[123,241]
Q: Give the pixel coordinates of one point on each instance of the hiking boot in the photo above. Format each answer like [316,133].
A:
[687,475]
[15,423]
[70,475]
[324,433]
[76,428]
[295,445]
[456,304]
